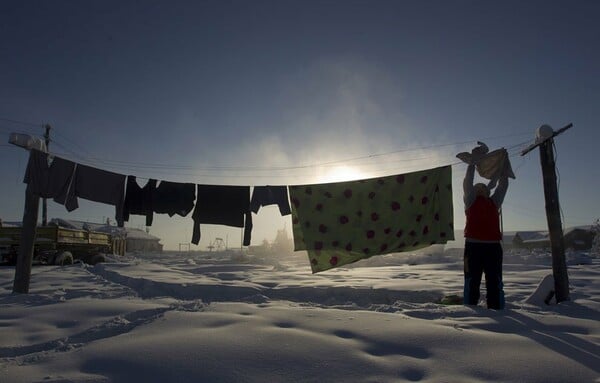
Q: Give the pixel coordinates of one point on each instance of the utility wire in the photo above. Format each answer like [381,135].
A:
[127,167]
[21,122]
[170,172]
[66,149]
[268,168]
[8,130]
[157,166]
[258,169]
[147,165]
[72,142]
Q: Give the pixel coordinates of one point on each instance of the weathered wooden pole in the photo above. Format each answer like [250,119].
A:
[26,244]
[559,264]
[44,202]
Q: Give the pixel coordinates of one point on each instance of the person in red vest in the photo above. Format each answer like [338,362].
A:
[483,248]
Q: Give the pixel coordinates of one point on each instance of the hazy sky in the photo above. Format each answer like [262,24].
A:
[291,92]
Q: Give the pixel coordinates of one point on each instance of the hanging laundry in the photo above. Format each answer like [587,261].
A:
[222,205]
[99,186]
[139,200]
[270,195]
[49,176]
[495,165]
[174,198]
[475,155]
[343,222]
[491,165]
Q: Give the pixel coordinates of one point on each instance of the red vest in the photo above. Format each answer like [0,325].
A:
[483,220]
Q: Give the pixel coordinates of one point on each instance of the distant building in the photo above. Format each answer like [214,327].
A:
[282,244]
[577,238]
[139,240]
[531,239]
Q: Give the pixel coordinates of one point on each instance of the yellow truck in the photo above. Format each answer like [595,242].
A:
[59,245]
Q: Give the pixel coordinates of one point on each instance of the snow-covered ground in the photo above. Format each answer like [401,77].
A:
[228,318]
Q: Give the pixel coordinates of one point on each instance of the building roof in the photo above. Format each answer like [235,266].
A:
[140,234]
[576,228]
[538,241]
[532,235]
[540,235]
[11,224]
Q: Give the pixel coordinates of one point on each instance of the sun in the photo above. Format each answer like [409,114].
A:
[341,173]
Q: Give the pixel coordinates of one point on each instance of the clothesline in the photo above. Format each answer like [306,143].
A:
[92,160]
[274,176]
[131,167]
[167,169]
[346,161]
[41,125]
[65,181]
[336,222]
[383,167]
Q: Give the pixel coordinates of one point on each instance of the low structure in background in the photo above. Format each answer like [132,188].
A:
[140,240]
[135,239]
[576,238]
[282,245]
[530,240]
[579,238]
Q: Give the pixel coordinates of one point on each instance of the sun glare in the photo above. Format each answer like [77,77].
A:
[341,173]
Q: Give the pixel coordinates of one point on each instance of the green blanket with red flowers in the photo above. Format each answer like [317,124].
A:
[343,222]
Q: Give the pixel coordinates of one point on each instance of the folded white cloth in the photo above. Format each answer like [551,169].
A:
[493,165]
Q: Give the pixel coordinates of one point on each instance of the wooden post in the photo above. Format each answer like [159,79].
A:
[559,265]
[26,245]
[44,202]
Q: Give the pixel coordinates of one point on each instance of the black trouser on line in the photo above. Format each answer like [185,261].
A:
[484,258]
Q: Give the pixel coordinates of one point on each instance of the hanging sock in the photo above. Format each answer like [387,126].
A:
[340,223]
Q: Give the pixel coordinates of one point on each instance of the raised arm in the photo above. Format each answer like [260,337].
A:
[469,191]
[500,192]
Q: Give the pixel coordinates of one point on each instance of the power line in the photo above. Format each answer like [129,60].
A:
[71,152]
[221,175]
[157,166]
[147,165]
[72,142]
[21,122]
[126,167]
[153,166]
[8,130]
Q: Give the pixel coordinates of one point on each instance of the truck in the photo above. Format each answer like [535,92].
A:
[55,245]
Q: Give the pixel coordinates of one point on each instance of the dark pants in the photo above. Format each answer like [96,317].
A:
[484,258]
